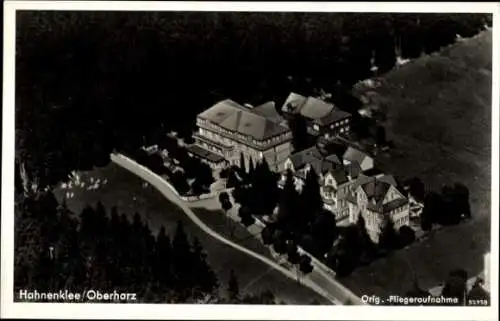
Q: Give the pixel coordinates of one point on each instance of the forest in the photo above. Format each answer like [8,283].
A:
[89,83]
[57,249]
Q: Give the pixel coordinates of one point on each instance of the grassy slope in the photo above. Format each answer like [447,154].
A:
[223,225]
[125,190]
[439,116]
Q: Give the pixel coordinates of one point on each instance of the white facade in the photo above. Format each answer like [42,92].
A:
[231,146]
[374,219]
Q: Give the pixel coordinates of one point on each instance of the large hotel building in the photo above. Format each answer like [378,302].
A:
[227,130]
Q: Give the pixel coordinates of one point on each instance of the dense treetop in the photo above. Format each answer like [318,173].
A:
[91,82]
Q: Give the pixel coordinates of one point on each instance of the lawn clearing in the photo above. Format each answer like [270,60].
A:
[439,117]
[128,193]
[223,225]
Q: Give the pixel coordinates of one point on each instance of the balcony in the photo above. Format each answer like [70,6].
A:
[215,143]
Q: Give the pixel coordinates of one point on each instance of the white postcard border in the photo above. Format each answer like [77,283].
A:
[184,311]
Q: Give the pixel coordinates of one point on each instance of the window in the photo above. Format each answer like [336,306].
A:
[315,127]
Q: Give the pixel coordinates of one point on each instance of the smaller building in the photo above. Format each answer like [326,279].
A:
[335,177]
[215,161]
[301,162]
[323,119]
[378,199]
[353,155]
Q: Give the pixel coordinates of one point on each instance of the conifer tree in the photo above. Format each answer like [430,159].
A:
[310,198]
[125,260]
[288,204]
[233,288]
[114,230]
[181,258]
[388,238]
[205,279]
[101,222]
[243,169]
[367,245]
[162,265]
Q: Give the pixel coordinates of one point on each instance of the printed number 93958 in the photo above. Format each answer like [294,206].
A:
[481,302]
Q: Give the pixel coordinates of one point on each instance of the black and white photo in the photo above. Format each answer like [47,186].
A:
[219,156]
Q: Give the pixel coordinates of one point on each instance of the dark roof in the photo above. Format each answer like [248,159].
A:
[322,165]
[362,179]
[353,169]
[394,204]
[339,175]
[328,146]
[315,109]
[315,159]
[372,172]
[268,110]
[376,190]
[300,159]
[205,154]
[334,159]
[236,118]
[355,155]
[333,116]
[388,179]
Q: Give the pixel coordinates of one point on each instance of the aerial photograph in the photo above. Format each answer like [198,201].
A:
[266,158]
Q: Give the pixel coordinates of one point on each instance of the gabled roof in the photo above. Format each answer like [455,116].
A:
[321,166]
[362,179]
[293,101]
[268,110]
[329,146]
[234,117]
[339,175]
[376,190]
[397,203]
[355,155]
[334,159]
[313,156]
[300,159]
[333,116]
[388,179]
[353,169]
[315,109]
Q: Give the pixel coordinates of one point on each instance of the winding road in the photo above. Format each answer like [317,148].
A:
[316,280]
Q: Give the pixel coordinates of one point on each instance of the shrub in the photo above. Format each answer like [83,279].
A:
[406,235]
